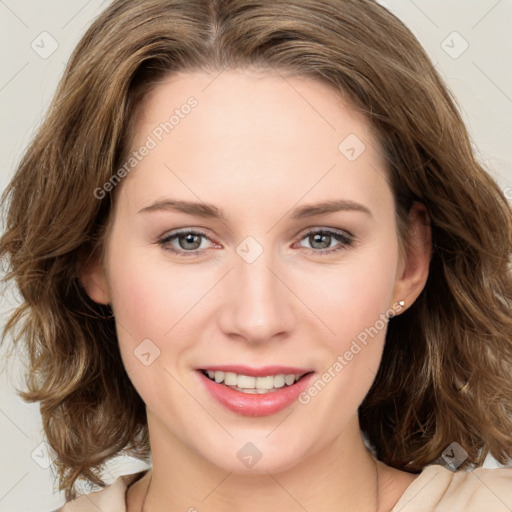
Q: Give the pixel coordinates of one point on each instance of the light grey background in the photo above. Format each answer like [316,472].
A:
[480,76]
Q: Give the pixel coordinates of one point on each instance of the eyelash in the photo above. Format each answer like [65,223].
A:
[346,240]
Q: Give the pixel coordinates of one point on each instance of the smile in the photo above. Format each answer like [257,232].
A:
[255,395]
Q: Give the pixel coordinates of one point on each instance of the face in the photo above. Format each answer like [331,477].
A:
[253,275]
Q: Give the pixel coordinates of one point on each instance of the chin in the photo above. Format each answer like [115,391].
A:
[258,456]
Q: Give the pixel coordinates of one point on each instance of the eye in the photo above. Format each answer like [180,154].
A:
[321,241]
[187,243]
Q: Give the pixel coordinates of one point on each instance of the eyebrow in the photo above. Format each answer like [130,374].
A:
[207,210]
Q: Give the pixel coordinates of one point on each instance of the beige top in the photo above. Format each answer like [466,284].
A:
[436,489]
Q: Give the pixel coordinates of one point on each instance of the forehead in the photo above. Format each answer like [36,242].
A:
[242,100]
[253,130]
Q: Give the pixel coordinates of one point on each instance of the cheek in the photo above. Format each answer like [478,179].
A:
[353,296]
[138,297]
[357,307]
[149,294]
[157,300]
[144,303]
[148,303]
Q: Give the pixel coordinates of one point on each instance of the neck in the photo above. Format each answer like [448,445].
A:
[341,475]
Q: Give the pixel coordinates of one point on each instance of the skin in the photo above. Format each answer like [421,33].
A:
[258,145]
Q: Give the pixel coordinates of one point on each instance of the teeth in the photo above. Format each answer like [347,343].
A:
[264,382]
[253,384]
[243,381]
[280,379]
[230,379]
[289,379]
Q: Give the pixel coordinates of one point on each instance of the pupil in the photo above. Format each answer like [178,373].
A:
[317,237]
[189,239]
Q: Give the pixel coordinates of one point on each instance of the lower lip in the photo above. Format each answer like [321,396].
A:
[256,405]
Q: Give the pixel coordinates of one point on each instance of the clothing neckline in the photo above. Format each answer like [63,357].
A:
[413,489]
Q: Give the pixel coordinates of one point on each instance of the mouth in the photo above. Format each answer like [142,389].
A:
[250,391]
[255,392]
[255,384]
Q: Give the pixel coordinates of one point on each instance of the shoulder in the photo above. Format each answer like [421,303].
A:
[110,499]
[437,489]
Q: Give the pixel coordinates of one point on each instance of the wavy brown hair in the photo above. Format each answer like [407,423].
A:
[446,372]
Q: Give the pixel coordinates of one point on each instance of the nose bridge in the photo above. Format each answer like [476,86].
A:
[259,304]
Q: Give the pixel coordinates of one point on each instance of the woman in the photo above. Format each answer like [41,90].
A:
[254,243]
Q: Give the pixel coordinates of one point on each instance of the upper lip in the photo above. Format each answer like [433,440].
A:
[257,372]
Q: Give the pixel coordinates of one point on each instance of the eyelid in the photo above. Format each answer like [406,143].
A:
[314,229]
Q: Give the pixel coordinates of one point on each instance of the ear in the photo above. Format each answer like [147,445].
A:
[414,265]
[94,280]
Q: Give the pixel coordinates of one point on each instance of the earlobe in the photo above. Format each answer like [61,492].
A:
[415,268]
[94,280]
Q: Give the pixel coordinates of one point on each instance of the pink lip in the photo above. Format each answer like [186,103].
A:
[256,405]
[258,372]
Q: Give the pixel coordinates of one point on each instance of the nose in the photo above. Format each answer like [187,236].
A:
[258,304]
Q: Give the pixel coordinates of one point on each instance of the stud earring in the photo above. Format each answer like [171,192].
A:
[402,303]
